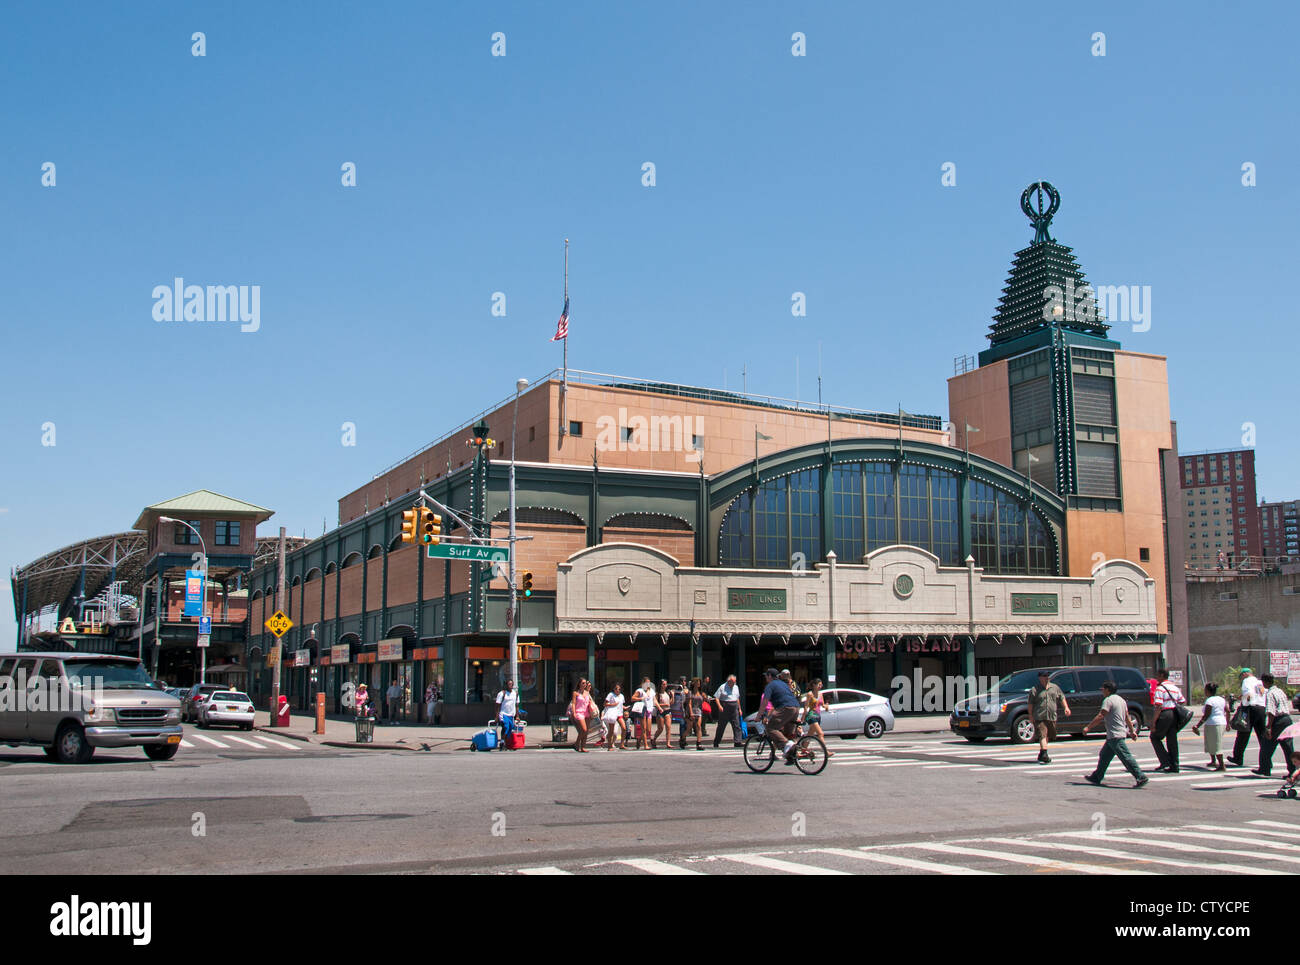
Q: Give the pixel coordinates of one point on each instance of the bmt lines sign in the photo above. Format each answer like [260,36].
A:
[1034,604]
[741,599]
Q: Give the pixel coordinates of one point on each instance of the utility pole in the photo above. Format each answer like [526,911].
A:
[280,601]
[513,624]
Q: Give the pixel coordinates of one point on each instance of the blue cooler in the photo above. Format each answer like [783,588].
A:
[485,740]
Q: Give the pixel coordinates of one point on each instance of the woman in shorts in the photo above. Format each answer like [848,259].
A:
[663,716]
[814,704]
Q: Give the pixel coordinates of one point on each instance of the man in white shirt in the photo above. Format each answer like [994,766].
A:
[507,710]
[1277,712]
[728,698]
[1252,699]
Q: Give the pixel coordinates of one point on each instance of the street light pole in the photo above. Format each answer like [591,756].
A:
[203,595]
[520,385]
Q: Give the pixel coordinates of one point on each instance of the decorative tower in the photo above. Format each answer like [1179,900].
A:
[1060,367]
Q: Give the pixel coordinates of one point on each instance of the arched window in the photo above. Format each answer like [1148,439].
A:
[352,560]
[873,506]
[330,568]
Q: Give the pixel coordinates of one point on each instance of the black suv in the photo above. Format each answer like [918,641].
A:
[981,716]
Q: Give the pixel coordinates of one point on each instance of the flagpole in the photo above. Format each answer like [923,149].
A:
[564,384]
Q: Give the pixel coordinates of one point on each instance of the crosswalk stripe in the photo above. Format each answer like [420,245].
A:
[776,864]
[209,740]
[185,743]
[1219,827]
[1276,824]
[938,767]
[1180,845]
[242,740]
[898,861]
[657,867]
[1136,856]
[546,870]
[1236,838]
[1028,859]
[285,744]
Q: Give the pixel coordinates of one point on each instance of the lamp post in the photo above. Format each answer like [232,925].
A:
[203,593]
[520,385]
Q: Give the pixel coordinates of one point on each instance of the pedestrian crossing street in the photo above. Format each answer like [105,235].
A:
[1070,759]
[1255,848]
[246,741]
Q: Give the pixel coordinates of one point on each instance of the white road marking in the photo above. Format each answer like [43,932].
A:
[776,864]
[547,870]
[1240,869]
[653,867]
[1277,824]
[1178,845]
[185,743]
[285,744]
[898,861]
[1219,827]
[209,740]
[1027,859]
[243,740]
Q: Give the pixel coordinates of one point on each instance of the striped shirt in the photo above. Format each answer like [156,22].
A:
[1277,703]
[1168,696]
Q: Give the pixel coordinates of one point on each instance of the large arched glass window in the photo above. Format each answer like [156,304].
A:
[736,540]
[873,506]
[847,534]
[879,486]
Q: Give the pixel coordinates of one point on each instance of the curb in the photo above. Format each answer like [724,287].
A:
[371,745]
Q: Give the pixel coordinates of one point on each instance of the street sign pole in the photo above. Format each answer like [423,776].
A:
[279,591]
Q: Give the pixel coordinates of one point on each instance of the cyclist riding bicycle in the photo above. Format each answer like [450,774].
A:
[785,709]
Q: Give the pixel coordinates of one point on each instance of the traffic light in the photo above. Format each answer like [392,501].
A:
[410,523]
[430,527]
[529,652]
[527,583]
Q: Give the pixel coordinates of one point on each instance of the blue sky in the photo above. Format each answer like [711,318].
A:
[774,174]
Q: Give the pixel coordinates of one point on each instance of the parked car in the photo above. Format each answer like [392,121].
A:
[227,707]
[194,698]
[1006,713]
[87,700]
[852,713]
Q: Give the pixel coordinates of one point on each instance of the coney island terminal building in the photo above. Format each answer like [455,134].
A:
[678,531]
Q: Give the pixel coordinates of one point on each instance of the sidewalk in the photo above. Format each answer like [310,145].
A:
[340,731]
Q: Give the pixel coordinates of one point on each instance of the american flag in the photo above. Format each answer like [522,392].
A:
[562,326]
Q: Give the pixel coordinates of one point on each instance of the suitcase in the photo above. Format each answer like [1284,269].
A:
[515,741]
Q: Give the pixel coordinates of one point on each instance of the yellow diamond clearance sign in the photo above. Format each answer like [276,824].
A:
[279,624]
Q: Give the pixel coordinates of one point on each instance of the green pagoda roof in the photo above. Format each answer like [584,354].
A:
[201,501]
[1046,288]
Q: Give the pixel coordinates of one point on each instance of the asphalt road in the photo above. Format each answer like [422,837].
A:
[904,804]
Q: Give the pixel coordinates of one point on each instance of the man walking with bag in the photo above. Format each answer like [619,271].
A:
[1252,706]
[1171,716]
[1277,718]
[727,698]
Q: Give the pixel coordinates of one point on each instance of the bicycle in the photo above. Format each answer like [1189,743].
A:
[760,753]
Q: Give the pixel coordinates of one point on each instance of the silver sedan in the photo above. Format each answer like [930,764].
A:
[853,713]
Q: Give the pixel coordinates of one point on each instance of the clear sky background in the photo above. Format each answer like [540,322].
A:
[775,174]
